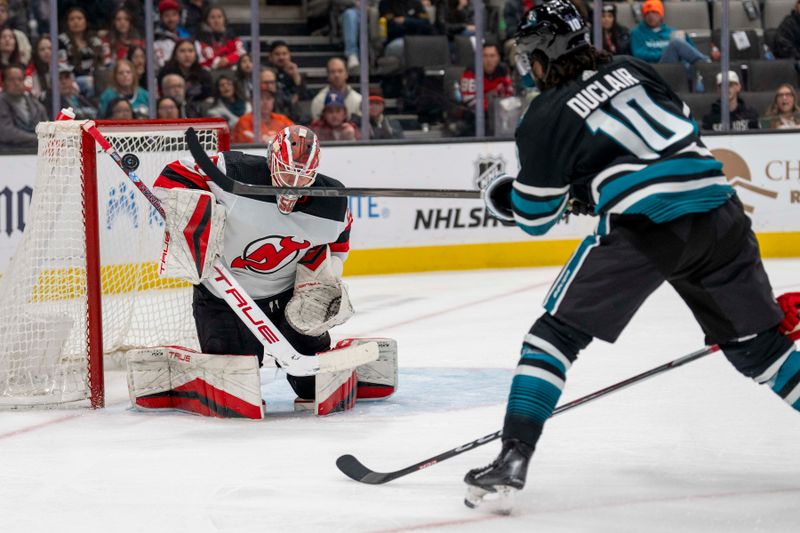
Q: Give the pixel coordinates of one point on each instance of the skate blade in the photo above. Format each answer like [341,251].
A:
[497,501]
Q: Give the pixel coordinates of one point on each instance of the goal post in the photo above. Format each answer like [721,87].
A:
[83,282]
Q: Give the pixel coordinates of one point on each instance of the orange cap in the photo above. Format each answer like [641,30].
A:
[653,5]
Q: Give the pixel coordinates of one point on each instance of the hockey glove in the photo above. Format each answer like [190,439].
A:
[790,304]
[497,197]
[320,299]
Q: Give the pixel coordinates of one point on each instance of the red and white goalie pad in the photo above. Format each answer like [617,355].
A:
[195,224]
[173,377]
[338,391]
[376,380]
[320,299]
[334,392]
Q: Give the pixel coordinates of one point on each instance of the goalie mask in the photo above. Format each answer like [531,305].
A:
[293,162]
[552,30]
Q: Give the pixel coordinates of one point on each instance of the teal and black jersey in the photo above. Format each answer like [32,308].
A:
[618,139]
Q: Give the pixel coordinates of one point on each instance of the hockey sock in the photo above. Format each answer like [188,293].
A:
[535,390]
[786,382]
[547,353]
[769,358]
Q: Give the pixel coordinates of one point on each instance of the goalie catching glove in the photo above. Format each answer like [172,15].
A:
[195,224]
[320,299]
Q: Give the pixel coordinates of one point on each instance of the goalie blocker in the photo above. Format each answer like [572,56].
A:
[229,386]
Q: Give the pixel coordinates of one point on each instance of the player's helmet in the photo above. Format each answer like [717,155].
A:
[293,162]
[554,28]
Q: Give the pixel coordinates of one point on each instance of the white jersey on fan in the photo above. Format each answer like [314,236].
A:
[262,246]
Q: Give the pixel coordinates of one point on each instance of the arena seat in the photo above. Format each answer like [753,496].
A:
[465,52]
[759,101]
[775,11]
[709,73]
[737,17]
[674,74]
[426,51]
[625,16]
[688,16]
[767,75]
[700,104]
[751,52]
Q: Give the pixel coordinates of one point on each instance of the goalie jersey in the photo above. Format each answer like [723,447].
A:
[619,140]
[263,246]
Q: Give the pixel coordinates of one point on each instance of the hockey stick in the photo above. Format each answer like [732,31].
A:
[227,184]
[275,344]
[354,469]
[254,191]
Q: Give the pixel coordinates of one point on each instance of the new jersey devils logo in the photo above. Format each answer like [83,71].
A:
[269,254]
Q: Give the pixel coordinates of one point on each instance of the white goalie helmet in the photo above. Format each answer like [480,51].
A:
[293,162]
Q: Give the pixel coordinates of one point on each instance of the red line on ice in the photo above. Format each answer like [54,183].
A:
[668,499]
[455,308]
[52,422]
[38,426]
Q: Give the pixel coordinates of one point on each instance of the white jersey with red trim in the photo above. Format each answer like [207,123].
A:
[262,246]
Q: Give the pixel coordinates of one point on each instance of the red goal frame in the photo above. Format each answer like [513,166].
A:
[89,153]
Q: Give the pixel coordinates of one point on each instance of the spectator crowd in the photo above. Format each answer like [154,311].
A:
[203,68]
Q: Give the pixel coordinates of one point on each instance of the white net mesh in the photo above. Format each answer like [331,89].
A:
[43,318]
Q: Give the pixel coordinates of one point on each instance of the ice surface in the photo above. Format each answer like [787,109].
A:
[696,449]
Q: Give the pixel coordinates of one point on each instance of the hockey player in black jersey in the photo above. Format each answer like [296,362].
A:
[608,137]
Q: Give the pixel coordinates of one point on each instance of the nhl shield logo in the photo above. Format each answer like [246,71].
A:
[487,167]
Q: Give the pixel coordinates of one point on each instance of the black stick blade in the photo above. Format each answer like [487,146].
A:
[352,468]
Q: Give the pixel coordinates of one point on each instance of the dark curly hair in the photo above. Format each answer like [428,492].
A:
[569,66]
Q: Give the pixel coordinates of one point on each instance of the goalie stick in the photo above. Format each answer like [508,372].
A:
[228,184]
[354,469]
[275,344]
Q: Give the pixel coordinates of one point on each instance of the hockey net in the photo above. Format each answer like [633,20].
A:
[83,281]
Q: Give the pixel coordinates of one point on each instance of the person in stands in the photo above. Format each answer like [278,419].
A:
[787,38]
[71,96]
[81,48]
[496,84]
[228,104]
[655,42]
[271,123]
[168,31]
[19,111]
[380,126]
[784,111]
[167,108]
[217,45]
[616,37]
[125,84]
[291,85]
[337,81]
[121,36]
[333,124]
[743,117]
[184,61]
[119,109]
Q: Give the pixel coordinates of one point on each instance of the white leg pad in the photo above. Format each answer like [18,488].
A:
[376,380]
[173,377]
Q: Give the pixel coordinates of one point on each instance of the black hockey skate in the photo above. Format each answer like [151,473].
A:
[500,479]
